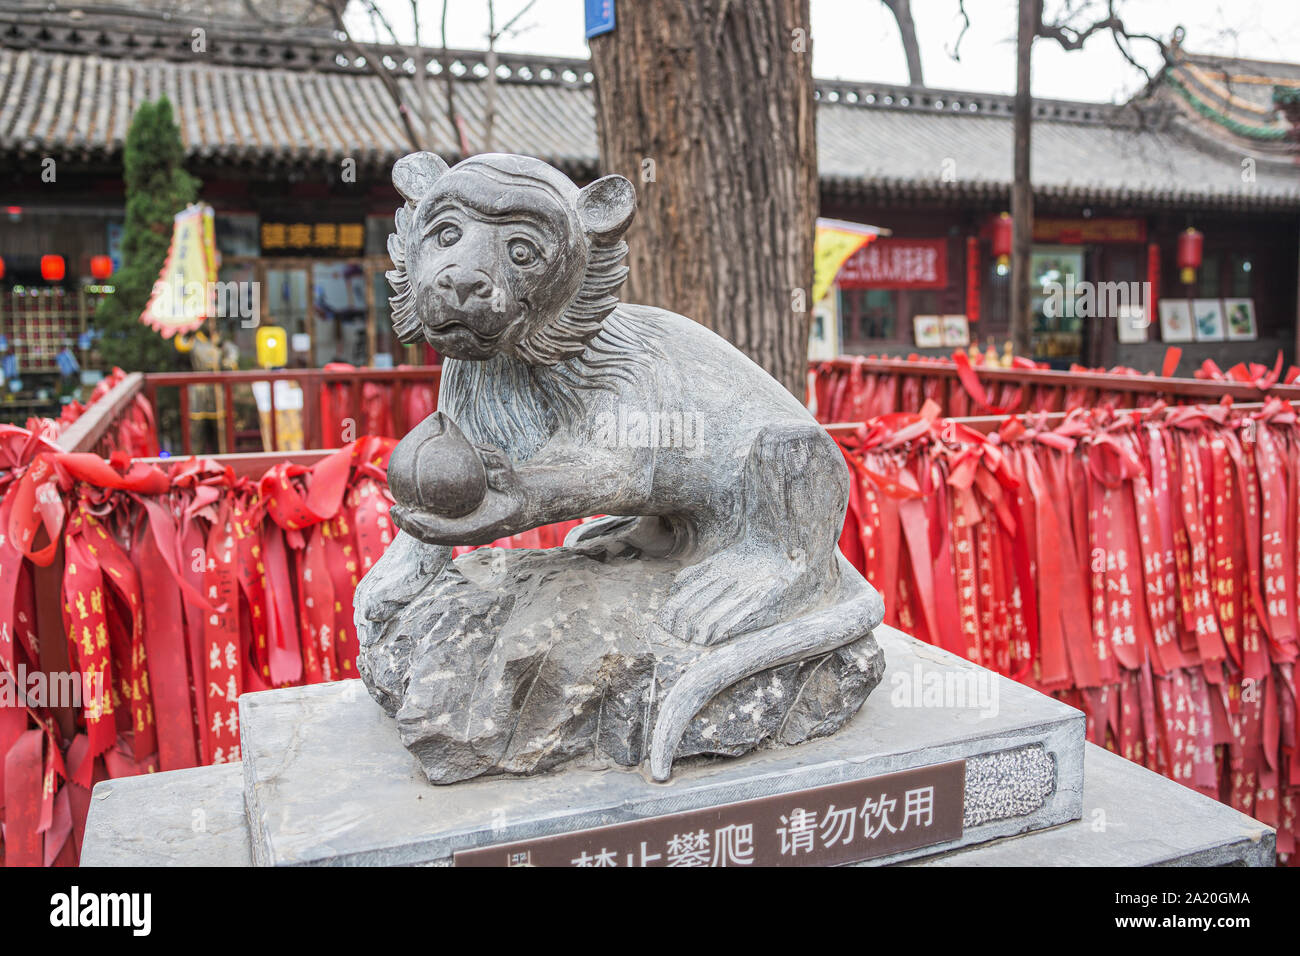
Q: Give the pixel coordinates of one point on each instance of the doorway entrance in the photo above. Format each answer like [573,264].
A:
[334,310]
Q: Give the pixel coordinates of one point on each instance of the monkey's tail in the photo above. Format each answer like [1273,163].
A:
[821,632]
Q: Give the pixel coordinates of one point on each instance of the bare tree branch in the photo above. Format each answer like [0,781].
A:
[490,88]
[457,124]
[902,11]
[516,18]
[955,51]
[374,10]
[252,8]
[1072,37]
[490,84]
[412,120]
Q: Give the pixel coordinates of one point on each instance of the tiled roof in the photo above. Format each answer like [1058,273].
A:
[259,103]
[1111,154]
[81,106]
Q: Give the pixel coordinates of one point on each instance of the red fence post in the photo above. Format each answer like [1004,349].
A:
[399,408]
[186,440]
[356,407]
[228,420]
[275,430]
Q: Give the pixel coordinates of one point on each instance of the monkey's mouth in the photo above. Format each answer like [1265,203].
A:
[454,326]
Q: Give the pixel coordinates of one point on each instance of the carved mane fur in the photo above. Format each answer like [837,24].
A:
[515,406]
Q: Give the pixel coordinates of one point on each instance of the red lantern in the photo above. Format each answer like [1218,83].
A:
[1002,235]
[101,267]
[2,267]
[52,268]
[1190,242]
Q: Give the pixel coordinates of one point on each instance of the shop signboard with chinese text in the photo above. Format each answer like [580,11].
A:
[1079,231]
[313,238]
[897,264]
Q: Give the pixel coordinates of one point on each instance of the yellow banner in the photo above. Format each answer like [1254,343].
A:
[836,241]
[182,298]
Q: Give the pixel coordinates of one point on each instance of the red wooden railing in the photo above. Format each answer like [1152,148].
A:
[903,385]
[116,419]
[89,431]
[896,385]
[395,384]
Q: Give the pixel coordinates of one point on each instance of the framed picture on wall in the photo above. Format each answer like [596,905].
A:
[1207,317]
[1240,314]
[1176,320]
[956,331]
[929,331]
[1131,324]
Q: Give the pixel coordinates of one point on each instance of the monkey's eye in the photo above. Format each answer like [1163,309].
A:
[523,252]
[448,235]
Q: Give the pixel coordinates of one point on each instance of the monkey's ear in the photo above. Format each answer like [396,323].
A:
[606,207]
[415,173]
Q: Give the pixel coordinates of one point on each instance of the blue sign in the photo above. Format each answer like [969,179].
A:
[600,17]
[67,362]
[115,230]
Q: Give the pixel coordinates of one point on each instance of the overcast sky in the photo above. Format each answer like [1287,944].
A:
[858,39]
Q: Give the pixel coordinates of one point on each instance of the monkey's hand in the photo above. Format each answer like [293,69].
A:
[403,571]
[502,512]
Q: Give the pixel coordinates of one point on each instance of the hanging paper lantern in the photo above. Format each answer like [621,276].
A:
[52,268]
[1190,243]
[101,267]
[1002,235]
[2,267]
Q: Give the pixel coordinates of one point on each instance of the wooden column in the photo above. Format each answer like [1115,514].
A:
[1022,193]
[368,270]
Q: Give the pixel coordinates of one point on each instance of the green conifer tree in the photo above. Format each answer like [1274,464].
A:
[157,187]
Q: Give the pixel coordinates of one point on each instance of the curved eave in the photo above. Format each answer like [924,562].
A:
[268,164]
[885,189]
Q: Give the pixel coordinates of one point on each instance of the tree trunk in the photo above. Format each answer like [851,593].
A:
[1022,194]
[707,107]
[902,11]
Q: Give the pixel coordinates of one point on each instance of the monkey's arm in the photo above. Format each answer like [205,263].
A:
[560,484]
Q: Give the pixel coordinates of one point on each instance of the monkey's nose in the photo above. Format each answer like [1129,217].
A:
[465,285]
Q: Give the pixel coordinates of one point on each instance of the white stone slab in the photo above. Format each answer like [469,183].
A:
[183,818]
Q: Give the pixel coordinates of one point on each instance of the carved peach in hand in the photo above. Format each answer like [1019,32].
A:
[435,469]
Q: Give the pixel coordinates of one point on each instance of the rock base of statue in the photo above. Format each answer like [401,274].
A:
[486,673]
[324,781]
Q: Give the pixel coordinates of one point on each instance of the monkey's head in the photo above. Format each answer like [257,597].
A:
[504,253]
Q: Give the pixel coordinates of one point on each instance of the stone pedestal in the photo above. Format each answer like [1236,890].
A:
[325,781]
[184,818]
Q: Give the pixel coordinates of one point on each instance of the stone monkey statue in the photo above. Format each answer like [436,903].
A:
[510,271]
